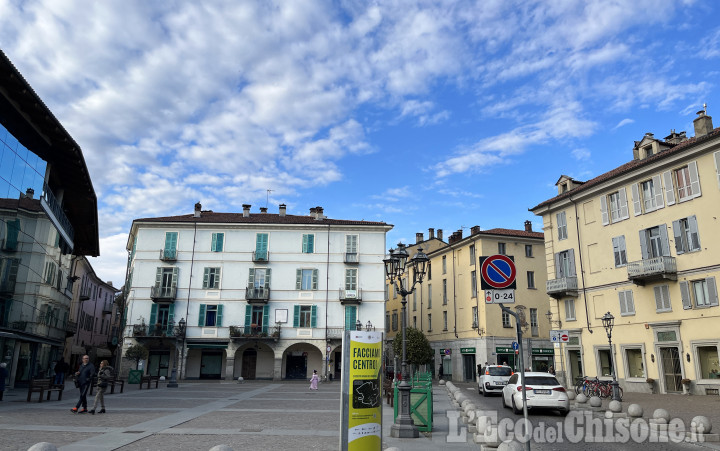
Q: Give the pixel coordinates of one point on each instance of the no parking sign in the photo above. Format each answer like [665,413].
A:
[497,272]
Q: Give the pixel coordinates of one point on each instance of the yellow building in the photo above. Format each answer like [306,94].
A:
[449,308]
[638,242]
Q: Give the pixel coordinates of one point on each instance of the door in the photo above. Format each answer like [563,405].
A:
[249,361]
[296,367]
[469,367]
[671,370]
[158,363]
[575,365]
[506,359]
[211,364]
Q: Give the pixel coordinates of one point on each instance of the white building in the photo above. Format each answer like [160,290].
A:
[264,296]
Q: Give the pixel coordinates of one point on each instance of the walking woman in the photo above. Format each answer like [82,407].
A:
[104,375]
[314,381]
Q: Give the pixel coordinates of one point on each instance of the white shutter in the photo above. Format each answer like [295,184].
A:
[624,213]
[694,243]
[629,302]
[677,234]
[712,291]
[716,157]
[623,304]
[669,188]
[685,295]
[665,243]
[637,206]
[658,192]
[604,210]
[694,179]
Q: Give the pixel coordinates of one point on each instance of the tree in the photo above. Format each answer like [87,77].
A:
[137,353]
[419,351]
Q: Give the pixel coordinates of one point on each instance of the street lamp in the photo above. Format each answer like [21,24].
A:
[396,262]
[369,326]
[608,322]
[358,325]
[179,333]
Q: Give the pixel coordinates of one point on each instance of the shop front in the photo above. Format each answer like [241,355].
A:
[542,359]
[469,370]
[505,356]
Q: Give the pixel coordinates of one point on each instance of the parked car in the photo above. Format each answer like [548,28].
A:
[493,378]
[543,391]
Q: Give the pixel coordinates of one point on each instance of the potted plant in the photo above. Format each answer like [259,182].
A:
[686,381]
[686,385]
[651,382]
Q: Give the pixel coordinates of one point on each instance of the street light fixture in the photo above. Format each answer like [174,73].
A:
[396,263]
[369,326]
[608,322]
[179,333]
[358,325]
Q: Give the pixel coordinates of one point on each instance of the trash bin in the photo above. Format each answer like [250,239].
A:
[135,376]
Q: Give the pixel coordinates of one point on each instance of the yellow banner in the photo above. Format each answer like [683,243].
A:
[365,391]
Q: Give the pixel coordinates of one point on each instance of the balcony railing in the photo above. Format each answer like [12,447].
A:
[352,258]
[652,269]
[255,331]
[56,209]
[8,245]
[7,287]
[564,286]
[350,296]
[70,328]
[335,332]
[107,308]
[261,256]
[257,294]
[155,330]
[160,293]
[85,293]
[168,255]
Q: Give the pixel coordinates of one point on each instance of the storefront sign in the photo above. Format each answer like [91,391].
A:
[445,351]
[543,351]
[508,350]
[361,425]
[467,350]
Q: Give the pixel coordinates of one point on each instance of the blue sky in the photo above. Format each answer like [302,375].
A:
[421,114]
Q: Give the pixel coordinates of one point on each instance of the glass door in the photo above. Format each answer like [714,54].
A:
[671,370]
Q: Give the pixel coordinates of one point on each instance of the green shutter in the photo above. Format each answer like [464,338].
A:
[158,277]
[248,318]
[296,316]
[218,321]
[13,229]
[267,278]
[206,278]
[315,279]
[261,245]
[201,318]
[170,243]
[304,244]
[266,318]
[251,277]
[298,279]
[350,317]
[220,242]
[311,244]
[153,314]
[313,316]
[175,277]
[171,317]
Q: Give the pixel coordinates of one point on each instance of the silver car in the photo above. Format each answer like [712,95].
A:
[492,378]
[542,391]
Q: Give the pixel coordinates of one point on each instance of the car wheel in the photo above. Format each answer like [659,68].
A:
[514,408]
[479,391]
[502,395]
[484,393]
[564,412]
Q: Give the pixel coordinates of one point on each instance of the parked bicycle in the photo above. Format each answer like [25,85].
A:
[595,387]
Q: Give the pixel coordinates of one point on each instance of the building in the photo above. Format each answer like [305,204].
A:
[48,217]
[449,307]
[637,242]
[261,295]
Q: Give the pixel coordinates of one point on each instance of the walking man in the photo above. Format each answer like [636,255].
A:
[84,377]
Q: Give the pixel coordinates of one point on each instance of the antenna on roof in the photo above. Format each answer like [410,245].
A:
[705,107]
[267,196]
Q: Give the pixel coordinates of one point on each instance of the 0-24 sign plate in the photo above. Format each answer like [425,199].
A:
[499,296]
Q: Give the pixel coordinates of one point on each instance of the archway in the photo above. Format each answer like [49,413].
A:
[300,359]
[249,362]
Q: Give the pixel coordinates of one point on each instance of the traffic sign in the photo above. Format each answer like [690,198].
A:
[515,345]
[497,272]
[499,296]
[559,336]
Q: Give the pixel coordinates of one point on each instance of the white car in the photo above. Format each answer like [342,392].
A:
[493,378]
[543,391]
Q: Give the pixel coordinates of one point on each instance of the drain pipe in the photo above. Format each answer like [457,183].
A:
[582,271]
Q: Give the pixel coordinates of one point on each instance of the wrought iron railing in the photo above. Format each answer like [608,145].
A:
[161,292]
[57,211]
[253,293]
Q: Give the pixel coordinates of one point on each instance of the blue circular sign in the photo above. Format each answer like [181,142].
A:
[515,345]
[498,271]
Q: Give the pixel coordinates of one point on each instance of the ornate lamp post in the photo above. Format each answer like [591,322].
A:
[608,322]
[179,333]
[396,263]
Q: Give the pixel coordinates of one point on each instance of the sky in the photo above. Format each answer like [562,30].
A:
[420,114]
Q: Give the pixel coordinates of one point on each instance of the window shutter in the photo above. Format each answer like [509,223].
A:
[623,303]
[267,278]
[669,188]
[13,230]
[571,263]
[296,316]
[712,290]
[643,244]
[677,236]
[201,317]
[251,277]
[624,213]
[623,250]
[158,278]
[716,157]
[311,243]
[266,318]
[629,302]
[170,241]
[664,240]
[694,179]
[315,279]
[153,314]
[206,278]
[558,272]
[218,317]
[685,295]
[171,316]
[175,277]
[657,191]
[219,238]
[248,318]
[350,317]
[616,251]
[298,279]
[213,243]
[694,233]
[635,191]
[313,315]
[659,305]
[604,210]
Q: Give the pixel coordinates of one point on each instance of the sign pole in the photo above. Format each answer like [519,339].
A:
[528,430]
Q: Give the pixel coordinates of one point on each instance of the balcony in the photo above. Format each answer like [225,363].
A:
[107,308]
[652,269]
[335,332]
[257,295]
[19,325]
[261,256]
[85,293]
[562,287]
[255,332]
[350,297]
[160,294]
[57,216]
[70,328]
[352,258]
[155,330]
[168,255]
[8,245]
[7,287]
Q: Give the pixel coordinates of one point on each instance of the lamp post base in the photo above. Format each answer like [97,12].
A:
[404,426]
[403,429]
[173,381]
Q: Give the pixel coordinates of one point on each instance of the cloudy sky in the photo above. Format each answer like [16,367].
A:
[421,114]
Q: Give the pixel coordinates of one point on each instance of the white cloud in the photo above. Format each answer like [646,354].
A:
[581,154]
[623,122]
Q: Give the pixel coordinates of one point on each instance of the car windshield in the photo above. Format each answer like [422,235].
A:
[499,371]
[541,380]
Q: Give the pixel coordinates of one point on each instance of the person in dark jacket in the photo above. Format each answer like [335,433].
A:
[3,376]
[61,368]
[105,373]
[84,376]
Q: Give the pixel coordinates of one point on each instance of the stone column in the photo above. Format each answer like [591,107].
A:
[277,370]
[230,362]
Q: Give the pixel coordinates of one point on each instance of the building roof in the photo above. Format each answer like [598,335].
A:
[208,216]
[24,203]
[511,232]
[631,166]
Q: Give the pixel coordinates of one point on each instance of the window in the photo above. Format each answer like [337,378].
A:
[627,304]
[531,279]
[351,276]
[308,243]
[259,279]
[707,357]
[217,242]
[306,279]
[472,254]
[604,362]
[475,322]
[211,278]
[261,246]
[703,291]
[387,321]
[444,264]
[210,315]
[528,250]
[304,313]
[501,248]
[687,237]
[415,322]
[506,320]
[50,273]
[534,330]
[414,301]
[561,226]
[429,322]
[256,315]
[429,271]
[662,298]
[654,242]
[473,284]
[170,251]
[619,251]
[166,280]
[394,320]
[634,363]
[444,291]
[351,249]
[429,296]
[570,310]
[684,183]
[445,320]
[618,207]
[700,292]
[565,264]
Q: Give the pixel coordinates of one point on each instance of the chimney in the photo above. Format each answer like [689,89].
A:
[283,209]
[263,210]
[30,193]
[703,124]
[198,210]
[474,230]
[675,138]
[418,237]
[313,212]
[440,234]
[459,234]
[320,214]
[528,226]
[431,233]
[246,210]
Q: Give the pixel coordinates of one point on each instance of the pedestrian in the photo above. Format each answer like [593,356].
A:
[3,376]
[314,381]
[551,370]
[84,376]
[105,373]
[60,369]
[440,372]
